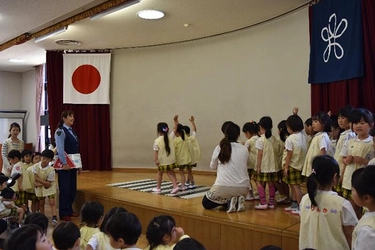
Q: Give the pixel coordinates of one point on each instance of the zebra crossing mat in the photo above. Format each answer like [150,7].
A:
[146,185]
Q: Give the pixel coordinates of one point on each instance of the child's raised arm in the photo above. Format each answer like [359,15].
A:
[175,120]
[194,127]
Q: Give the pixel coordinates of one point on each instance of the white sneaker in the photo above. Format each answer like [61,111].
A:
[291,208]
[261,207]
[232,205]
[249,197]
[156,190]
[175,190]
[271,206]
[241,204]
[192,186]
[296,211]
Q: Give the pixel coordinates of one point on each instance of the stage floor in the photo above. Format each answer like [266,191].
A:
[215,229]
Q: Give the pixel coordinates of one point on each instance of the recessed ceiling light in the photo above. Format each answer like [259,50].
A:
[68,42]
[150,14]
[16,60]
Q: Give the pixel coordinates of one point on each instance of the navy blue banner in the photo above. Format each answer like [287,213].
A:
[336,51]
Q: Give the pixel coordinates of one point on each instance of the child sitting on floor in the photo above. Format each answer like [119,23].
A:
[162,233]
[124,230]
[91,218]
[66,236]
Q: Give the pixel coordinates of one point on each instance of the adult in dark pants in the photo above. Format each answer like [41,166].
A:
[66,142]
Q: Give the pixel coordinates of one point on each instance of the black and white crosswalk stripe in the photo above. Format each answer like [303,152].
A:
[147,185]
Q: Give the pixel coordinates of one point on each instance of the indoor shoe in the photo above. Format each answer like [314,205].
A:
[296,211]
[241,204]
[270,206]
[249,197]
[291,208]
[66,218]
[182,188]
[54,220]
[175,190]
[232,205]
[191,186]
[156,190]
[282,199]
[261,207]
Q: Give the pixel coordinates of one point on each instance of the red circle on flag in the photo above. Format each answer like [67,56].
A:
[86,79]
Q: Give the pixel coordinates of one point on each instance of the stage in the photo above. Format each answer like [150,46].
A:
[215,229]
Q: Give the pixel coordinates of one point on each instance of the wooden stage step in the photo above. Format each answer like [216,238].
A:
[215,229]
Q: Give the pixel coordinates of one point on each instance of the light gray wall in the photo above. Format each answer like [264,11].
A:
[28,103]
[239,77]
[17,92]
[10,90]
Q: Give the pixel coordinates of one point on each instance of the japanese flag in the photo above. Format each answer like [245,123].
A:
[86,78]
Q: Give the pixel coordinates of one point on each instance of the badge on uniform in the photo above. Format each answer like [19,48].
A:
[58,132]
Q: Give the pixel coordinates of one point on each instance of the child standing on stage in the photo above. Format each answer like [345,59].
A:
[91,218]
[182,149]
[164,157]
[320,143]
[327,220]
[363,194]
[162,233]
[195,152]
[267,163]
[293,159]
[45,186]
[22,183]
[280,185]
[344,123]
[357,151]
[250,129]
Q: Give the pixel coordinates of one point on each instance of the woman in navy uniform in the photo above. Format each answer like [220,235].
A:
[66,142]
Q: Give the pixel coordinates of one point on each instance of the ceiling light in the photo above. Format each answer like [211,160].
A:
[114,9]
[51,34]
[68,42]
[150,14]
[16,60]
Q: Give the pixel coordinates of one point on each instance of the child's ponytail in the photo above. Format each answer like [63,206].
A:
[312,186]
[266,123]
[181,131]
[158,228]
[324,168]
[162,128]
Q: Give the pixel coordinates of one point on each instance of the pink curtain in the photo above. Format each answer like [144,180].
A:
[38,103]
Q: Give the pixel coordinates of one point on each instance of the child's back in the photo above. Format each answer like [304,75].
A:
[327,219]
[101,240]
[91,216]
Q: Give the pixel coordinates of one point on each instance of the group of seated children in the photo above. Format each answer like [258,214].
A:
[118,229]
[35,181]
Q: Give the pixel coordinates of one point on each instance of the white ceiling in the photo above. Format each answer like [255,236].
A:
[124,29]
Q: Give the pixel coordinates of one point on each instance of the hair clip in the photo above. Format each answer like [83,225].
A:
[165,129]
[313,171]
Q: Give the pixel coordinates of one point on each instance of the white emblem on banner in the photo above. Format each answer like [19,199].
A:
[330,34]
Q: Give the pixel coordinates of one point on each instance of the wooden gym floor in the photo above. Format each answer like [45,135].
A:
[215,229]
